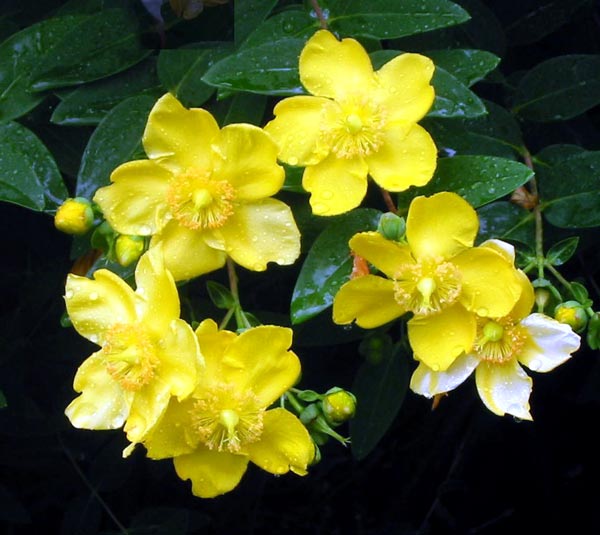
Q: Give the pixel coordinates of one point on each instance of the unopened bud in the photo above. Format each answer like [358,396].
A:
[128,249]
[573,314]
[391,226]
[542,296]
[74,216]
[338,406]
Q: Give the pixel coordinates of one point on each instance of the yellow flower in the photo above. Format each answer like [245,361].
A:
[203,194]
[437,275]
[502,344]
[74,216]
[358,122]
[147,353]
[214,433]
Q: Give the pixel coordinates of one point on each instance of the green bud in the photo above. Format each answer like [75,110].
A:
[573,314]
[74,216]
[542,296]
[391,226]
[128,249]
[338,406]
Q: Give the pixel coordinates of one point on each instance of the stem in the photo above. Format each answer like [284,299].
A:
[240,318]
[226,319]
[389,203]
[537,212]
[319,13]
[296,405]
[559,277]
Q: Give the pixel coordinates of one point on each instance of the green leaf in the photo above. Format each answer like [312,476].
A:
[483,31]
[248,16]
[560,252]
[115,141]
[555,154]
[479,179]
[506,221]
[466,65]
[246,108]
[220,295]
[382,19]
[29,175]
[572,202]
[89,104]
[329,263]
[100,45]
[293,23]
[559,88]
[380,390]
[268,69]
[20,54]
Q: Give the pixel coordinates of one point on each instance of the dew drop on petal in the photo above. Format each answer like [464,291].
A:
[93,296]
[535,365]
[144,230]
[94,338]
[482,311]
[293,160]
[327,194]
[69,294]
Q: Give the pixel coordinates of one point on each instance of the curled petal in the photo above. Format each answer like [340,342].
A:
[148,405]
[386,255]
[428,383]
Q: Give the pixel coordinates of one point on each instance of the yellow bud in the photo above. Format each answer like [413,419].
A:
[74,216]
[572,314]
[128,249]
[338,406]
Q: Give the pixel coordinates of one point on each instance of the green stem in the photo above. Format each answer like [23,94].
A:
[560,278]
[319,13]
[537,212]
[389,203]
[296,405]
[226,319]
[240,318]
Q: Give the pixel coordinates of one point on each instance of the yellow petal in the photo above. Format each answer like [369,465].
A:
[186,253]
[213,345]
[437,340]
[334,69]
[337,185]
[94,306]
[369,300]
[404,159]
[148,405]
[259,360]
[248,161]
[178,138]
[297,129]
[526,300]
[406,82]
[103,404]
[440,226]
[261,232]
[504,388]
[429,383]
[284,444]
[212,472]
[490,285]
[501,247]
[135,203]
[386,255]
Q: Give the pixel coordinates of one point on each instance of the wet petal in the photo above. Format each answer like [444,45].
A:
[526,300]
[212,472]
[550,343]
[440,226]
[504,388]
[405,159]
[428,383]
[386,255]
[369,300]
[262,232]
[149,404]
[337,185]
[284,444]
[437,340]
[213,345]
[135,202]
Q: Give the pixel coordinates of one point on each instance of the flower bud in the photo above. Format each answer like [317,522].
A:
[391,226]
[128,249]
[542,296]
[573,314]
[338,406]
[74,216]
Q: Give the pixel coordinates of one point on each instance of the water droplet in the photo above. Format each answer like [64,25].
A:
[435,367]
[94,338]
[327,195]
[320,208]
[69,294]
[93,296]
[535,365]
[482,311]
[144,230]
[293,160]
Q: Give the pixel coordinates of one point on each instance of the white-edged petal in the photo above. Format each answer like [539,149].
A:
[428,383]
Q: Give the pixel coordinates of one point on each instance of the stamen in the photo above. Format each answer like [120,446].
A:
[499,340]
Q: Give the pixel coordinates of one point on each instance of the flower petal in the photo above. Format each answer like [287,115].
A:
[94,306]
[334,69]
[369,300]
[284,444]
[526,300]
[504,388]
[212,472]
[428,383]
[259,360]
[437,340]
[213,345]
[186,253]
[550,343]
[178,138]
[490,285]
[386,255]
[135,202]
[248,162]
[297,129]
[406,79]
[337,185]
[149,404]
[440,226]
[103,404]
[261,232]
[404,159]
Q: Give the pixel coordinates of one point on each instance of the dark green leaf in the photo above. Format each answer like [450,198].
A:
[467,65]
[105,43]
[88,104]
[479,179]
[246,108]
[484,30]
[559,88]
[506,221]
[296,23]
[382,19]
[248,15]
[328,263]
[114,142]
[560,252]
[380,390]
[580,292]
[269,69]
[555,154]
[29,176]
[19,56]
[220,295]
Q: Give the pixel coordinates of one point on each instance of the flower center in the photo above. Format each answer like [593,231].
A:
[498,340]
[427,287]
[199,202]
[130,356]
[225,419]
[355,129]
